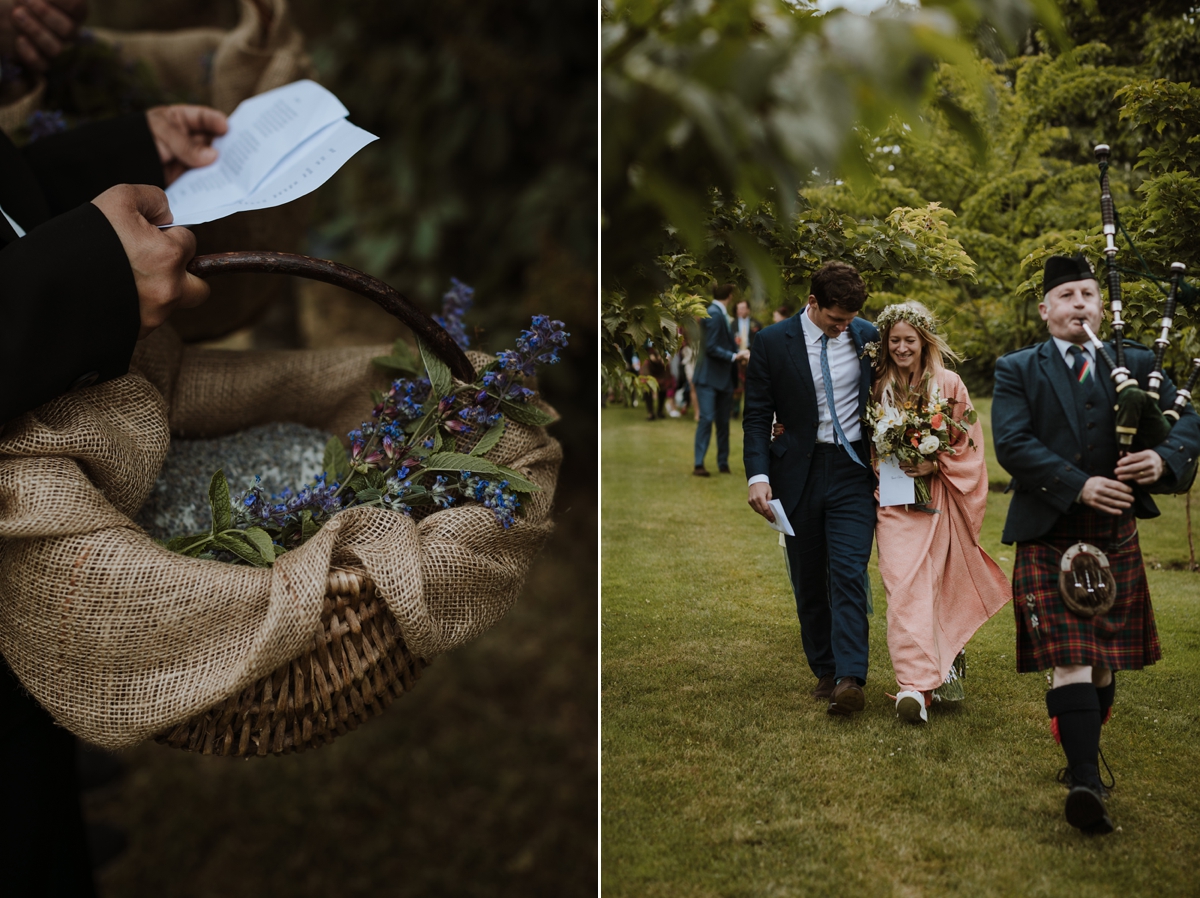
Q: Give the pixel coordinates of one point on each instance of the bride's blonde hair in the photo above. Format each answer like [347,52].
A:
[935,352]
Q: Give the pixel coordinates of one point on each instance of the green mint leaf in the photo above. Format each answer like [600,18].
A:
[456,461]
[308,527]
[262,542]
[191,545]
[439,373]
[516,480]
[488,441]
[402,359]
[526,414]
[337,461]
[218,501]
[239,544]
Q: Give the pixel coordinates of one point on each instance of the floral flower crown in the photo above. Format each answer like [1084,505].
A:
[902,311]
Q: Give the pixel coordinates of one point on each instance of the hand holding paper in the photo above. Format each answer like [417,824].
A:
[781,522]
[183,136]
[280,145]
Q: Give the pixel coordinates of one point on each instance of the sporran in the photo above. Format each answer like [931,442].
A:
[1085,582]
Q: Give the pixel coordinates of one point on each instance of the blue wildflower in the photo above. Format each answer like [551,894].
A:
[537,346]
[43,123]
[502,501]
[455,303]
[440,491]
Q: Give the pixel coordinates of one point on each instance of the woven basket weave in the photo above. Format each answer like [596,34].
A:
[349,672]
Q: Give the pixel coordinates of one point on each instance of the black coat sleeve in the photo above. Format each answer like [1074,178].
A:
[759,411]
[78,165]
[69,312]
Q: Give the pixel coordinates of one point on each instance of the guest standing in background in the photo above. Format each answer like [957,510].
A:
[714,381]
[744,329]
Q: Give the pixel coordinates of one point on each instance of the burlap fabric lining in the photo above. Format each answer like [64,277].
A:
[120,639]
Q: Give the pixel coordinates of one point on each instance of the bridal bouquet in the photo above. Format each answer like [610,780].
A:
[916,429]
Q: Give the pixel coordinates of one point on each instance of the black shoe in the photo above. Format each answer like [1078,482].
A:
[1085,810]
[1065,779]
[700,471]
[847,698]
[724,469]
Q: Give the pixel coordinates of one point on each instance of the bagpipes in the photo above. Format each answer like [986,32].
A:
[1141,424]
[1085,581]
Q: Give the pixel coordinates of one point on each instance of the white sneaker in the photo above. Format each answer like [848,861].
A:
[911,706]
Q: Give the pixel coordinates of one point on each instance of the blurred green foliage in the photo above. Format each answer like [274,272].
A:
[757,99]
[1029,188]
[486,164]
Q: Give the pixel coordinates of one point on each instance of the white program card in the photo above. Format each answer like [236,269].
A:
[895,487]
[781,520]
[303,170]
[268,136]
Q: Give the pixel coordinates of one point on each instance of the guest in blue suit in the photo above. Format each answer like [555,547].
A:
[811,373]
[714,380]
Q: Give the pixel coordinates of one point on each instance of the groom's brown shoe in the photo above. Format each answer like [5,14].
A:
[847,698]
[824,689]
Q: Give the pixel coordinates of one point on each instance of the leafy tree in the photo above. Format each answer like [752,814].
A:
[756,99]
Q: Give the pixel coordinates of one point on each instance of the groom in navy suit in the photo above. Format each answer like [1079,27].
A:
[811,373]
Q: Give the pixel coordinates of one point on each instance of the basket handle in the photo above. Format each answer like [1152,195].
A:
[394,303]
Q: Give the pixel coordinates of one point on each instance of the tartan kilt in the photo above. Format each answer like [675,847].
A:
[1048,634]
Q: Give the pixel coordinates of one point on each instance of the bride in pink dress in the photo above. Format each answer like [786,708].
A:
[941,586]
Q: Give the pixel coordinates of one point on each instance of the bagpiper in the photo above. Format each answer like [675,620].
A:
[1079,585]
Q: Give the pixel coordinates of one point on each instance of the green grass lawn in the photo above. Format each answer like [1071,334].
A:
[721,776]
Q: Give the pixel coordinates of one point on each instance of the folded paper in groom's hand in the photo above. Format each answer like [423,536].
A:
[781,522]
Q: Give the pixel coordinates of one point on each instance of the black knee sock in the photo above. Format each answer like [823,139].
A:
[1105,694]
[1077,707]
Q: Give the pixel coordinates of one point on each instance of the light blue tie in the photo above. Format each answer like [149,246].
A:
[828,378]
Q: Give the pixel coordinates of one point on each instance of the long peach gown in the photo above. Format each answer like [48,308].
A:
[941,586]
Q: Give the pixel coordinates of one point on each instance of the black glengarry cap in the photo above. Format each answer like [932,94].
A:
[1063,269]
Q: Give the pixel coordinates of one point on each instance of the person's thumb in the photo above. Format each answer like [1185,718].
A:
[194,155]
[151,203]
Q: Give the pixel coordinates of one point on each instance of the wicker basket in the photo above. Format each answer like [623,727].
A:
[350,671]
[358,663]
[121,640]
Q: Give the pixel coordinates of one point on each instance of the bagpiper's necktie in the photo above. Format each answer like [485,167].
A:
[828,378]
[1081,365]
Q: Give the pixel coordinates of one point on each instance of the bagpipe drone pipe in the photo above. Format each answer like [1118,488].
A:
[1141,423]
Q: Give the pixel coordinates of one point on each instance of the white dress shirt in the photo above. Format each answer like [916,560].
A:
[1064,349]
[846,372]
[743,329]
[16,227]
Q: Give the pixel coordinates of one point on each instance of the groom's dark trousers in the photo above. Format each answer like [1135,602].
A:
[834,523]
[828,498]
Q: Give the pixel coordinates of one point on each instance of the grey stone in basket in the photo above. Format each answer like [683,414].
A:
[284,455]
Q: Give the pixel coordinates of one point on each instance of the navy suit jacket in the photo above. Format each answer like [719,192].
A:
[779,383]
[715,367]
[1037,437]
